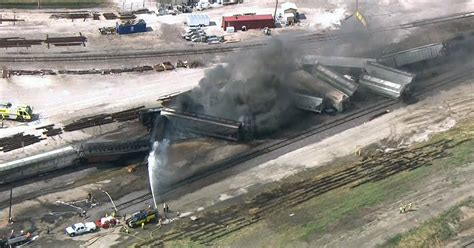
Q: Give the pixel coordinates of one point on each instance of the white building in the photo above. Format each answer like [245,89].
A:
[197,20]
[289,11]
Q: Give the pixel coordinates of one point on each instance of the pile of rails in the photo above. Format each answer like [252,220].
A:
[18,141]
[165,66]
[18,42]
[66,41]
[55,41]
[41,72]
[21,140]
[102,119]
[50,131]
[110,16]
[72,15]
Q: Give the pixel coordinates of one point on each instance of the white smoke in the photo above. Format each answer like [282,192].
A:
[157,158]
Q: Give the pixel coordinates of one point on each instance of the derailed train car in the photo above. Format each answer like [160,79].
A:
[386,81]
[336,80]
[307,102]
[414,55]
[204,124]
[333,98]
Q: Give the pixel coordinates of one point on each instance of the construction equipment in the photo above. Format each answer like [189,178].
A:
[144,216]
[15,112]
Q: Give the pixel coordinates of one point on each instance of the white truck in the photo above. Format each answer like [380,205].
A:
[81,228]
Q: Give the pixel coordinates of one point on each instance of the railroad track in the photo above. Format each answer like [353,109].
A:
[371,169]
[375,109]
[306,38]
[20,140]
[141,199]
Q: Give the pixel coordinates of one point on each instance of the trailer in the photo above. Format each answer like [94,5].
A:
[414,55]
[336,80]
[308,102]
[334,98]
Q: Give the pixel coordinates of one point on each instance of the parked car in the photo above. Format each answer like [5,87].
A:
[211,42]
[81,228]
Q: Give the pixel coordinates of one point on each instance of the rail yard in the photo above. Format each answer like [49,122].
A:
[236,123]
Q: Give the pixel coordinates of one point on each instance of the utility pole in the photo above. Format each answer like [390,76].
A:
[39,4]
[275,14]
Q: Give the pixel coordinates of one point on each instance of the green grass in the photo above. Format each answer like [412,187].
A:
[349,203]
[342,208]
[51,3]
[433,232]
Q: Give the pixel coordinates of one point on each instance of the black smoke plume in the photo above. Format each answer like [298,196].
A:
[249,85]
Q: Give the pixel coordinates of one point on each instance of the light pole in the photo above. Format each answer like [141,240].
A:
[275,14]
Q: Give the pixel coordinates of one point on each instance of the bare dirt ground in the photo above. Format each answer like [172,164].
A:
[320,17]
[61,99]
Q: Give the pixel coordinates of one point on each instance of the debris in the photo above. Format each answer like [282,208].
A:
[194,218]
[132,168]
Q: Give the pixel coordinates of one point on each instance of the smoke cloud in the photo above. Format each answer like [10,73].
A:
[250,84]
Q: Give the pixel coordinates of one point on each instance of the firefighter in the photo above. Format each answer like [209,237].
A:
[402,209]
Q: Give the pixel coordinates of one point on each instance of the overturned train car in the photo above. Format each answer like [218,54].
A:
[414,55]
[204,124]
[303,81]
[331,77]
[386,81]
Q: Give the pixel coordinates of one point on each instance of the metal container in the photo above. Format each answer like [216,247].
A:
[388,73]
[349,62]
[334,79]
[130,27]
[307,102]
[305,82]
[383,87]
[413,55]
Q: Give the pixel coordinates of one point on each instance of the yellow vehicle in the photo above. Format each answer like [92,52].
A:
[9,111]
[144,216]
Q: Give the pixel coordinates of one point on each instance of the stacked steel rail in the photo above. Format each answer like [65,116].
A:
[101,119]
[18,141]
[56,41]
[66,41]
[165,66]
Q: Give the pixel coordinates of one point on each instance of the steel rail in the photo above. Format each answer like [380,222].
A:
[305,38]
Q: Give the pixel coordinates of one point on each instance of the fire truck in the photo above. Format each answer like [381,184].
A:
[10,111]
